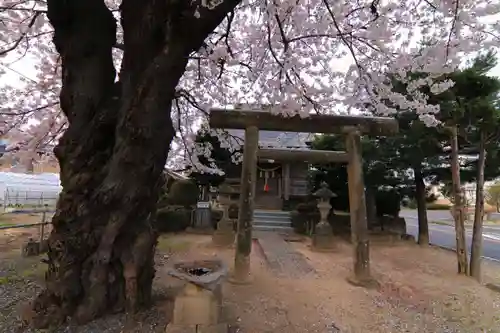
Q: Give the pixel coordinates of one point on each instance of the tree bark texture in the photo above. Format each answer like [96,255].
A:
[423,223]
[477,233]
[101,248]
[459,202]
[246,204]
[371,207]
[357,208]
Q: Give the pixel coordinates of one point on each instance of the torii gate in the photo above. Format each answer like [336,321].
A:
[252,120]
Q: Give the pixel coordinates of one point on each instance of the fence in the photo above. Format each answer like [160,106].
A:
[28,192]
[29,200]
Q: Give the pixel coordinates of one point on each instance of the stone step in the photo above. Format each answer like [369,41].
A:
[272,223]
[272,228]
[270,212]
[271,218]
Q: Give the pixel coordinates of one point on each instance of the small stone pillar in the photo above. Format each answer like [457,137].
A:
[224,235]
[212,195]
[322,239]
[197,308]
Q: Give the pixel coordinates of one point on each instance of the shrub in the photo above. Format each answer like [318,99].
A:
[299,222]
[292,203]
[172,219]
[341,224]
[412,204]
[215,217]
[305,217]
[181,193]
[307,207]
[388,203]
[433,206]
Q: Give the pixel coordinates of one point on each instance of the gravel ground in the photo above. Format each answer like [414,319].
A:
[420,293]
[19,284]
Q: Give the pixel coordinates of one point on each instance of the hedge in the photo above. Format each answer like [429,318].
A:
[181,193]
[172,219]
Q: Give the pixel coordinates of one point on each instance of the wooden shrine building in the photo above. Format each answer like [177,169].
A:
[279,182]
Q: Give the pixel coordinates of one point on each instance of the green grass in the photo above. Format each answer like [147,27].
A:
[5,221]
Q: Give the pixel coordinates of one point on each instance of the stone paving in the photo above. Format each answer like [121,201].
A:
[281,257]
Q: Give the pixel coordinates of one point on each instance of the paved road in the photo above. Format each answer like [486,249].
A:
[444,235]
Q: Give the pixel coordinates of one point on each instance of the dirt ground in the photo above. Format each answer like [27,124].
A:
[12,238]
[419,292]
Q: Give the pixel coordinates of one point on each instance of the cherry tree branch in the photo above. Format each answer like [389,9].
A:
[23,35]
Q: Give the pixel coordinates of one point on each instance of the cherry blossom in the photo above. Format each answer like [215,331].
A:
[302,56]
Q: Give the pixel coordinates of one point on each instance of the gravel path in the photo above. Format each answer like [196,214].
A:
[282,258]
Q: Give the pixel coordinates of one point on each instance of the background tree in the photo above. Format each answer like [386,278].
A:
[477,94]
[417,147]
[383,177]
[214,156]
[493,195]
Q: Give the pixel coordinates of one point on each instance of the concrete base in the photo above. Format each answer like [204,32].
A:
[323,240]
[195,306]
[224,236]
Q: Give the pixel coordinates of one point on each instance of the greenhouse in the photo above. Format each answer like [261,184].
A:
[19,191]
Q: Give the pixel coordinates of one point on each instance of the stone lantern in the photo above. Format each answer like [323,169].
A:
[322,239]
[224,235]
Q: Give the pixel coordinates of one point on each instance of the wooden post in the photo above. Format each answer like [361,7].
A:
[42,233]
[241,272]
[286,179]
[357,207]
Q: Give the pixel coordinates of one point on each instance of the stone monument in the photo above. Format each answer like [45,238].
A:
[224,235]
[322,239]
[197,308]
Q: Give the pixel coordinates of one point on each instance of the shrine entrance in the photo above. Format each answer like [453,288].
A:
[268,186]
[351,127]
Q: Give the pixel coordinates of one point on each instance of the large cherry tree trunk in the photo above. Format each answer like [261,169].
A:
[102,245]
